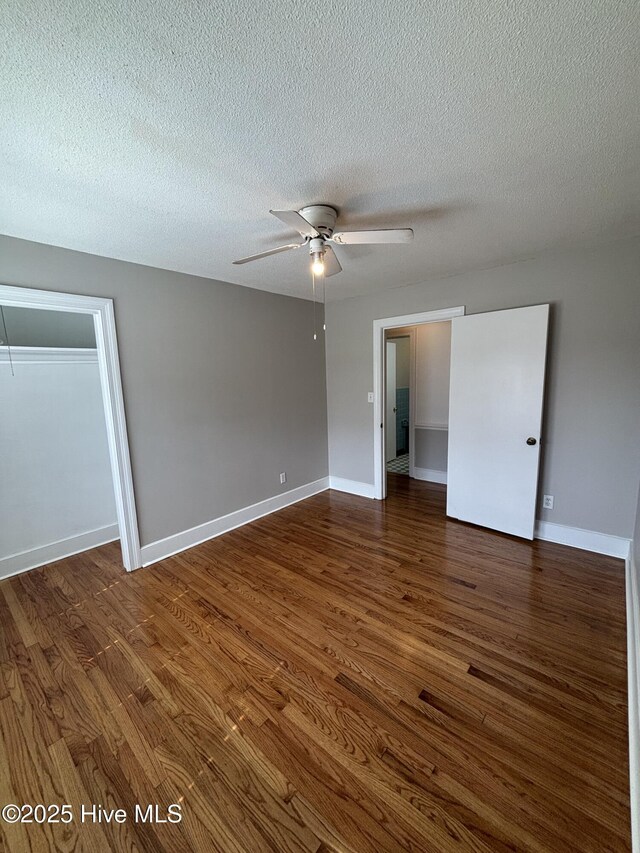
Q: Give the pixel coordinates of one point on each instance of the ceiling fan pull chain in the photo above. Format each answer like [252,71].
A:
[324,304]
[313,290]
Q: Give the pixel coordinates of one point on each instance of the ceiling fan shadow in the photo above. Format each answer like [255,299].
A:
[350,218]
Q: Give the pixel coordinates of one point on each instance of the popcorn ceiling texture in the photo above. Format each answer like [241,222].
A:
[162,132]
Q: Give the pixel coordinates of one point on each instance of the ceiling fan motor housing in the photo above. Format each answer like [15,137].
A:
[321,216]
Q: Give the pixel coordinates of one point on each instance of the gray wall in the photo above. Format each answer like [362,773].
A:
[636,537]
[590,460]
[224,386]
[431,448]
[30,327]
[403,361]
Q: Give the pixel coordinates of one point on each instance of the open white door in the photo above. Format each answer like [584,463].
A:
[495,415]
[390,420]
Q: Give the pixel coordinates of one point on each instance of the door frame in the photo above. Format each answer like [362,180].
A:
[104,325]
[379,328]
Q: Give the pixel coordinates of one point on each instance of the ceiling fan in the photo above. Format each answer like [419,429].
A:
[316,224]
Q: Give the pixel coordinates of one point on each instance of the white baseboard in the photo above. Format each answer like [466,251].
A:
[633,691]
[352,487]
[430,474]
[16,563]
[587,540]
[164,548]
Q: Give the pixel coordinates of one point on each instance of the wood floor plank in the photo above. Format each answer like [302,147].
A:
[344,675]
[75,794]
[23,625]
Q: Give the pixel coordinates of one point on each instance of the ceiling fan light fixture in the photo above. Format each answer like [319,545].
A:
[317,263]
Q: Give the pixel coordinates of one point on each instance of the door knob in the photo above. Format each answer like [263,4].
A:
[531,440]
[394,410]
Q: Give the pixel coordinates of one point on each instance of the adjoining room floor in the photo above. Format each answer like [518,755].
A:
[399,465]
[345,674]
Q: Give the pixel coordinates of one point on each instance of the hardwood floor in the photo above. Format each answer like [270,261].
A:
[346,675]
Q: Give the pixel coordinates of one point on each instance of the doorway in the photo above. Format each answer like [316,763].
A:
[386,331]
[101,312]
[417,400]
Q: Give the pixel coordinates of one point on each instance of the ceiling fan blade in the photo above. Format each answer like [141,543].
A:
[331,263]
[294,220]
[269,252]
[387,235]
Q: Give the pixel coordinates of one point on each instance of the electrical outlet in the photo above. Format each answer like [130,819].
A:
[547,501]
[283,477]
[370,397]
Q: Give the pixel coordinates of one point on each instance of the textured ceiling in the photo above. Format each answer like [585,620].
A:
[162,132]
